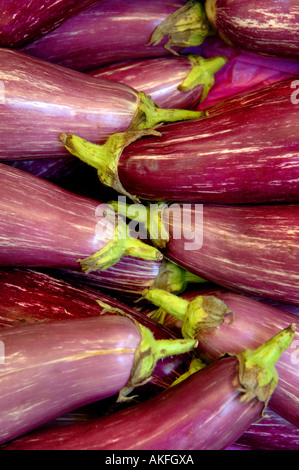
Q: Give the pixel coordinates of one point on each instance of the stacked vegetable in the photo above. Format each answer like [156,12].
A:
[149,237]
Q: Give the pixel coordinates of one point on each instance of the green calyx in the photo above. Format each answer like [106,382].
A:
[105,158]
[148,353]
[199,314]
[257,373]
[121,245]
[202,73]
[196,365]
[188,26]
[172,278]
[150,217]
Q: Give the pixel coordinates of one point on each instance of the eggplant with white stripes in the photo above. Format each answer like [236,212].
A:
[264,26]
[116,30]
[48,369]
[209,410]
[40,101]
[226,322]
[245,151]
[23,22]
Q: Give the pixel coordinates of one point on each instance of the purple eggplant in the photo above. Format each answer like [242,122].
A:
[188,84]
[43,225]
[266,26]
[115,30]
[50,368]
[226,322]
[251,249]
[245,71]
[186,416]
[24,22]
[245,151]
[272,432]
[40,101]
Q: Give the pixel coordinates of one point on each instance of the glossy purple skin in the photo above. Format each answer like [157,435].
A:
[158,77]
[43,225]
[22,22]
[266,26]
[52,368]
[29,297]
[40,101]
[247,153]
[188,416]
[251,249]
[271,433]
[105,33]
[250,324]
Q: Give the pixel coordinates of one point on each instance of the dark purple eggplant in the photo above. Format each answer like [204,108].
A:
[51,368]
[246,151]
[41,101]
[225,322]
[23,22]
[266,26]
[186,416]
[116,30]
[172,82]
[43,225]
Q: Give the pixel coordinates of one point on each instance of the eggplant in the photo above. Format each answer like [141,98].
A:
[245,151]
[45,226]
[95,357]
[115,30]
[226,322]
[189,83]
[41,101]
[25,22]
[248,248]
[245,71]
[270,433]
[268,27]
[186,416]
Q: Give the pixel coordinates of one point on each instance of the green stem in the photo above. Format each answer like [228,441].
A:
[188,26]
[257,372]
[148,353]
[199,314]
[105,158]
[121,245]
[173,278]
[196,365]
[202,73]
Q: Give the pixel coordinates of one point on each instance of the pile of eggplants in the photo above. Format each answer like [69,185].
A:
[149,225]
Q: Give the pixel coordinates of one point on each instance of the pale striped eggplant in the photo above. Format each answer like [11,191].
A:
[226,323]
[40,101]
[265,26]
[115,30]
[187,416]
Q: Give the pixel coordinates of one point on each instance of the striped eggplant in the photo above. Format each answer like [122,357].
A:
[115,30]
[265,26]
[186,416]
[43,225]
[188,84]
[40,101]
[226,322]
[245,71]
[50,368]
[245,151]
[248,248]
[272,432]
[23,22]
